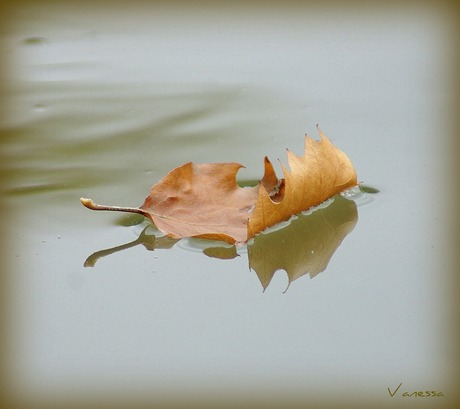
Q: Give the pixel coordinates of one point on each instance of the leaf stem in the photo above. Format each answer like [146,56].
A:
[94,206]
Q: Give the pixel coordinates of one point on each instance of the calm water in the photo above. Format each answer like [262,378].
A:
[104,104]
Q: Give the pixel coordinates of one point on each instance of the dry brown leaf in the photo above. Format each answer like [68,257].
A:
[201,200]
[322,172]
[204,200]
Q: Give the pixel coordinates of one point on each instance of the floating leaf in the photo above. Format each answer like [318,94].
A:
[304,246]
[204,200]
[322,172]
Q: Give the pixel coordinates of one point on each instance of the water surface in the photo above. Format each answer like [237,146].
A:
[104,104]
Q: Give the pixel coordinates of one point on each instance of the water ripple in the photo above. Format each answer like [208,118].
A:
[362,195]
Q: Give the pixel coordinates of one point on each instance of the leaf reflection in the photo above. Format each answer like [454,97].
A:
[224,253]
[149,241]
[304,246]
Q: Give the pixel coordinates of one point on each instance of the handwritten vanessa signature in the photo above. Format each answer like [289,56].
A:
[416,393]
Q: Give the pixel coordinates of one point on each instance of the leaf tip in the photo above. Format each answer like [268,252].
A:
[321,134]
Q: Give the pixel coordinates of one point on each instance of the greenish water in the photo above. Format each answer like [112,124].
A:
[102,303]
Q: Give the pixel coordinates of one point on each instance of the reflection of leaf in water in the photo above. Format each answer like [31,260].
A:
[149,241]
[306,245]
[224,253]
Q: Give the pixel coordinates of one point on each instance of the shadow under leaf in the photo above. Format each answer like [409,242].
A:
[304,246]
